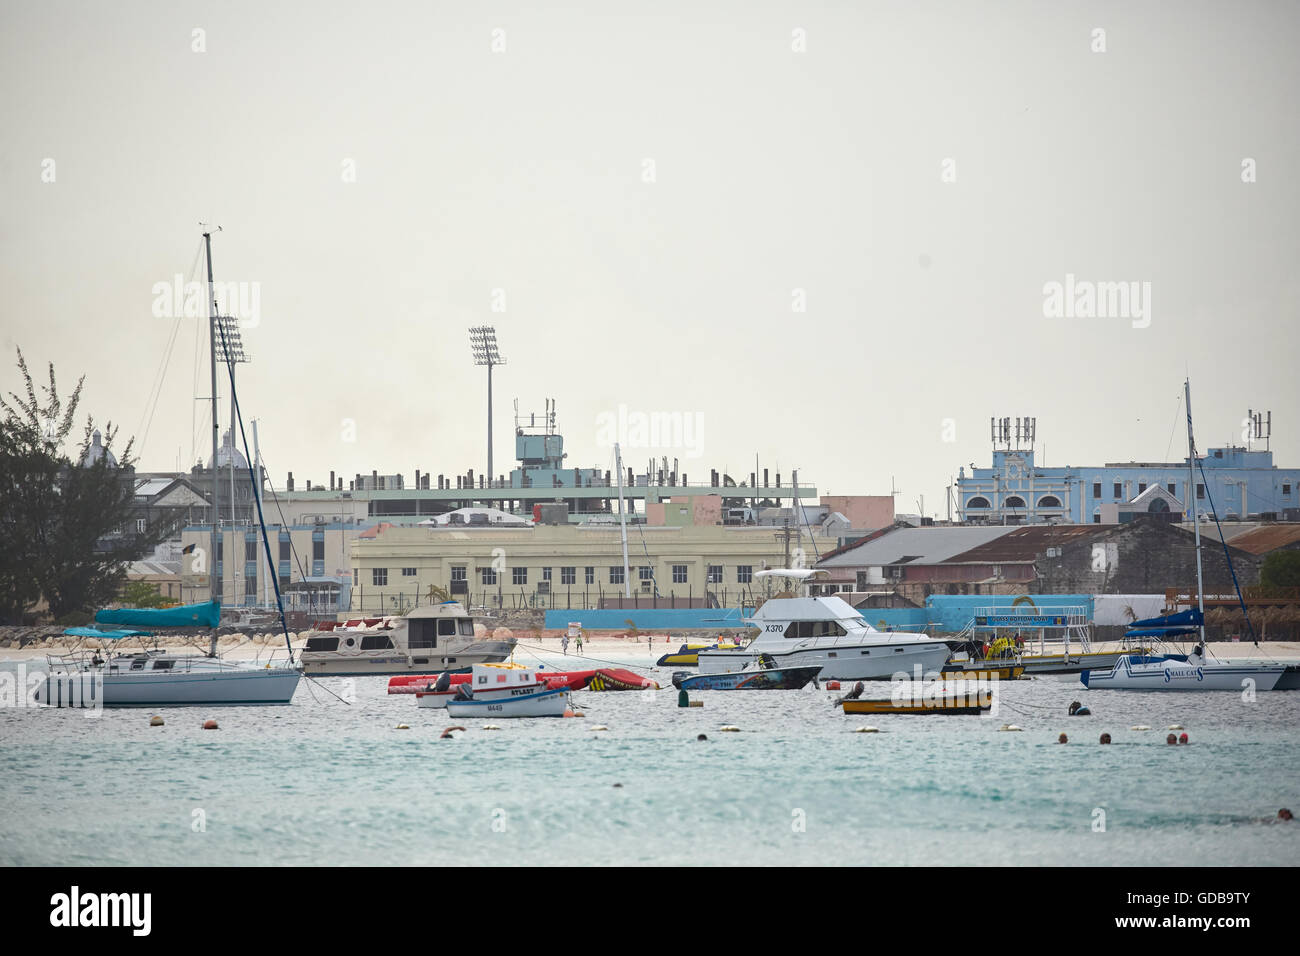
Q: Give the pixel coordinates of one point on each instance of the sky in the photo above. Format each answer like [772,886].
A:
[823,234]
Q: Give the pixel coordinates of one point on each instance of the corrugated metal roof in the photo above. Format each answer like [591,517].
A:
[1027,543]
[919,545]
[148,487]
[1266,539]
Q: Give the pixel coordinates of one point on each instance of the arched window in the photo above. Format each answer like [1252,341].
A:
[979,501]
[1015,501]
[1158,506]
[1049,501]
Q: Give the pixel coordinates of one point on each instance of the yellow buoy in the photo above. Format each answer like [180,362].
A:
[600,727]
[491,726]
[730,728]
[403,726]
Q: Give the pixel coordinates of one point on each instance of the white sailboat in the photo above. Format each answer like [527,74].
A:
[1195,670]
[153,678]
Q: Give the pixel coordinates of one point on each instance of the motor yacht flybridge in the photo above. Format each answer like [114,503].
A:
[825,631]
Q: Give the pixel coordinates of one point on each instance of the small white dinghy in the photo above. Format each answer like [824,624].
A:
[503,690]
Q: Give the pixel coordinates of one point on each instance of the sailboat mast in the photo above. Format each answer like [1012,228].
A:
[622,519]
[1191,498]
[216,493]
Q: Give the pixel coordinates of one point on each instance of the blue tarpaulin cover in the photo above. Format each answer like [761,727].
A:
[106,635]
[187,615]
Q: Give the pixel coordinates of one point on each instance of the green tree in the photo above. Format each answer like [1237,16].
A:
[67,526]
[1281,569]
[143,594]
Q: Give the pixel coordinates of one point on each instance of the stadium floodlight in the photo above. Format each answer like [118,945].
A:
[483,343]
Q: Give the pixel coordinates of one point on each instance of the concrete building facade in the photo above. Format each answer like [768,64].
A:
[1239,484]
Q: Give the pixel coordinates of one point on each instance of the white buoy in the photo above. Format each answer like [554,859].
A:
[730,728]
[1175,727]
[600,727]
[1141,727]
[403,726]
[491,726]
[867,730]
[1010,727]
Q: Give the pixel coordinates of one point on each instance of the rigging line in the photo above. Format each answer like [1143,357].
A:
[1227,557]
[584,657]
[157,391]
[311,680]
[257,497]
[1174,427]
[155,388]
[285,524]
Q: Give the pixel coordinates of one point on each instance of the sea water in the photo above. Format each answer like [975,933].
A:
[324,782]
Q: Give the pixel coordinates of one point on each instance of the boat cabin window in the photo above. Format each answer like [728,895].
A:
[322,644]
[447,627]
[422,632]
[376,642]
[815,629]
[137,665]
[466,627]
[163,665]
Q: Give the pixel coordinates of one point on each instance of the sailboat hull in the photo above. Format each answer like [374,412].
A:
[230,685]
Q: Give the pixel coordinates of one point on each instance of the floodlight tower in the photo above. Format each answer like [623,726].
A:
[228,349]
[483,342]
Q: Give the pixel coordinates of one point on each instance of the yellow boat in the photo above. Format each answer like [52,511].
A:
[916,707]
[688,655]
[980,670]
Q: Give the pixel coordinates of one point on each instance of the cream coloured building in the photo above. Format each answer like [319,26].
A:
[572,565]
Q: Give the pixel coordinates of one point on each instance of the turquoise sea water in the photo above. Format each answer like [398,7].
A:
[322,783]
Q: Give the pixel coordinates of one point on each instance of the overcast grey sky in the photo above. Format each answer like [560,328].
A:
[655,189]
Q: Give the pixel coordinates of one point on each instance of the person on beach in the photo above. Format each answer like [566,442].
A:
[578,639]
[564,644]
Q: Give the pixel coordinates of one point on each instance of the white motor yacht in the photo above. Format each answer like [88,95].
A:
[438,637]
[826,631]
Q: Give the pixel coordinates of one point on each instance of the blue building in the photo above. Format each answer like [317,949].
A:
[1239,483]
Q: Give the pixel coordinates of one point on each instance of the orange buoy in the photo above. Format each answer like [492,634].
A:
[832,685]
[568,713]
[210,725]
[1062,739]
